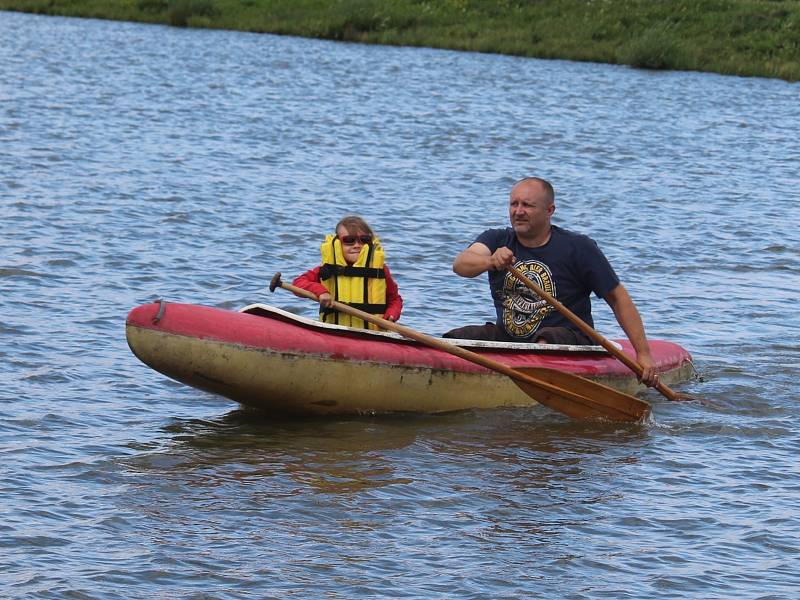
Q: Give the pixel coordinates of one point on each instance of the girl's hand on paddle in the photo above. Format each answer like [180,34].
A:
[502,259]
[325,300]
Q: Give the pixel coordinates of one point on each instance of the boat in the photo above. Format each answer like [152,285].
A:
[272,360]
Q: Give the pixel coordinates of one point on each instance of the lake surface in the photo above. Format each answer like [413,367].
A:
[139,162]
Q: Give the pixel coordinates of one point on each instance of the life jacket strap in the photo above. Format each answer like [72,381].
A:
[373,309]
[327,271]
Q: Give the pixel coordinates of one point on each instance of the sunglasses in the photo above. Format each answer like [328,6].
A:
[349,240]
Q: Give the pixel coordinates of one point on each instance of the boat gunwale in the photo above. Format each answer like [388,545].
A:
[246,330]
[267,311]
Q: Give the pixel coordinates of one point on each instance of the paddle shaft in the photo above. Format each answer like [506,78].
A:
[420,337]
[461,353]
[592,333]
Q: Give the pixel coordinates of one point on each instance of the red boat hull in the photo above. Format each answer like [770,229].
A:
[272,360]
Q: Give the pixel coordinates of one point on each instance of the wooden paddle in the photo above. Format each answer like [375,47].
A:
[597,337]
[563,392]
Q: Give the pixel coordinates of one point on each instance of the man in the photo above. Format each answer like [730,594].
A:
[568,265]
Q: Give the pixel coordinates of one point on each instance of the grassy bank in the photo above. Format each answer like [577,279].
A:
[736,37]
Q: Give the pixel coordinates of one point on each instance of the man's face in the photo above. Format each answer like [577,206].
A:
[529,208]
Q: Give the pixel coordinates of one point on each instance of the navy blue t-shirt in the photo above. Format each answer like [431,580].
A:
[570,266]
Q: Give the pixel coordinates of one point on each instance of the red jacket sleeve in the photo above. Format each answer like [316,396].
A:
[394,301]
[309,281]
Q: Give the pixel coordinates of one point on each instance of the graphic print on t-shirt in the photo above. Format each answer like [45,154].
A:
[524,311]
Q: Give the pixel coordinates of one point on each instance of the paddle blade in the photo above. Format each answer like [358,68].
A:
[581,398]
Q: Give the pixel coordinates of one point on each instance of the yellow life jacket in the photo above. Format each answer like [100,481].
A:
[362,285]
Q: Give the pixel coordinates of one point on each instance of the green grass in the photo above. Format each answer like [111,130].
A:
[735,37]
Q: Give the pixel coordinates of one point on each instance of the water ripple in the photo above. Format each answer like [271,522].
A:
[192,165]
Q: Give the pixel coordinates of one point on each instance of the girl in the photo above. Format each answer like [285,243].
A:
[353,272]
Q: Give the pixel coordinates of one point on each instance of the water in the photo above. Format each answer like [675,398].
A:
[142,162]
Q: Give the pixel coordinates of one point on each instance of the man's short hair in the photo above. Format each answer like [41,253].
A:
[548,187]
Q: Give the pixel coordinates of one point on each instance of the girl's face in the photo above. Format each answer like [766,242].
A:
[352,243]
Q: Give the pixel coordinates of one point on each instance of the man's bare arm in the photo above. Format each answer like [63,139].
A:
[630,320]
[478,259]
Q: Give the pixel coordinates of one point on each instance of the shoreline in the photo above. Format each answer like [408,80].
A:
[749,38]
